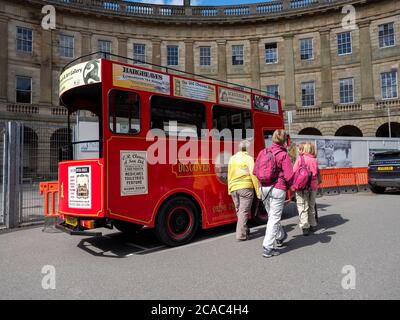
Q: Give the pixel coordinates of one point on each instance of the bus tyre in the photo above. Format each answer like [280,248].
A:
[177,221]
[127,227]
[376,189]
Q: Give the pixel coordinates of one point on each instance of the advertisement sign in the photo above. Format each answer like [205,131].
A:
[234,98]
[133,173]
[134,78]
[266,104]
[79,187]
[194,90]
[80,75]
[334,153]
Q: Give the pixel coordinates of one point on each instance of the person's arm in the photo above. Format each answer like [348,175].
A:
[296,164]
[256,184]
[287,170]
[229,175]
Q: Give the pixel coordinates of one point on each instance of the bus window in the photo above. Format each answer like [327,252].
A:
[124,112]
[233,119]
[174,115]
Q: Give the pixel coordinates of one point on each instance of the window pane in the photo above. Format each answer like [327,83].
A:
[346,90]
[308,94]
[232,119]
[271,53]
[139,53]
[344,43]
[172,55]
[23,89]
[386,35]
[237,55]
[389,85]
[66,46]
[124,112]
[306,49]
[165,112]
[24,39]
[205,56]
[272,90]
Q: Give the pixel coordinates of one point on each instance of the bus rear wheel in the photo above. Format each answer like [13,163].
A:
[177,221]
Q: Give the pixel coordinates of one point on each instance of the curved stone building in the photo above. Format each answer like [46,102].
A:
[334,63]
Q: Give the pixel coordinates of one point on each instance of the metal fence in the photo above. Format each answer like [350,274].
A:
[30,155]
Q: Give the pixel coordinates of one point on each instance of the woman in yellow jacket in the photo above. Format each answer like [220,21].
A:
[241,186]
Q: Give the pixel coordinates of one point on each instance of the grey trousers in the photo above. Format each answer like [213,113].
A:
[242,198]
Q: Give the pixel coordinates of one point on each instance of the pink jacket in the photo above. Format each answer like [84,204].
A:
[285,178]
[312,166]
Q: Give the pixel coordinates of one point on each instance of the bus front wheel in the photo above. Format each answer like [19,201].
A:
[177,221]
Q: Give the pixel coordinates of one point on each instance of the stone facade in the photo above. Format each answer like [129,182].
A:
[220,28]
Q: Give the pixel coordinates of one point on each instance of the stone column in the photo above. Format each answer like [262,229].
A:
[46,75]
[222,67]
[122,48]
[3,58]
[290,83]
[86,42]
[326,70]
[255,63]
[156,59]
[367,79]
[189,56]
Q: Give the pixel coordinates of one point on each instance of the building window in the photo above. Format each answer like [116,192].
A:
[389,85]
[172,55]
[24,39]
[271,53]
[23,89]
[105,46]
[344,43]
[306,49]
[205,56]
[237,55]
[308,94]
[272,90]
[386,35]
[139,53]
[66,46]
[346,89]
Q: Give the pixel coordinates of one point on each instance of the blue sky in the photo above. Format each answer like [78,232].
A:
[201,2]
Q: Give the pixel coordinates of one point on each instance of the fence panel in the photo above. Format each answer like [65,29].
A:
[39,159]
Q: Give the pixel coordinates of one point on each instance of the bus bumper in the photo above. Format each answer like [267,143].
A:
[72,232]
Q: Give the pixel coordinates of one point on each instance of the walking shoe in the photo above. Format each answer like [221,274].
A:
[268,253]
[280,243]
[306,232]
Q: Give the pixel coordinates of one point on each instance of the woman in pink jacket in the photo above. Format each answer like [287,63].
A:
[306,198]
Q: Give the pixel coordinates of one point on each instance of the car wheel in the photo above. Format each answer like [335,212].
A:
[376,189]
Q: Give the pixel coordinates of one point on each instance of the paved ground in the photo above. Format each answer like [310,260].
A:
[361,230]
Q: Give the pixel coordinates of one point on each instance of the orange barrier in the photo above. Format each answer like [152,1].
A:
[49,188]
[343,177]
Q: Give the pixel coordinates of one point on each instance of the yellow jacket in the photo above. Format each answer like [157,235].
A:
[240,173]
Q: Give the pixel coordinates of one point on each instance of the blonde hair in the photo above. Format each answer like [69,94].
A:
[309,148]
[279,136]
[301,147]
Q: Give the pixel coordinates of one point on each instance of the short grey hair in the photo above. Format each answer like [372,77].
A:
[244,145]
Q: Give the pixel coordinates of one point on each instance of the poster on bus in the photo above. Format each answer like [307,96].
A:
[234,98]
[80,75]
[266,104]
[194,90]
[133,173]
[135,78]
[79,187]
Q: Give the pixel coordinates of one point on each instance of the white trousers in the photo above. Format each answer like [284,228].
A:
[273,203]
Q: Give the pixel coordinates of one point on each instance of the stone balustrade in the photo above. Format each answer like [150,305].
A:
[202,13]
[354,107]
[308,112]
[387,103]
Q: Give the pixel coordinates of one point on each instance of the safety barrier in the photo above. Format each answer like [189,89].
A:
[343,180]
[50,191]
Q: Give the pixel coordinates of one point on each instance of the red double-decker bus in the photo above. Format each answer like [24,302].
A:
[122,172]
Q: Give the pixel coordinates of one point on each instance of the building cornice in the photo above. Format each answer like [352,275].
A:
[170,14]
